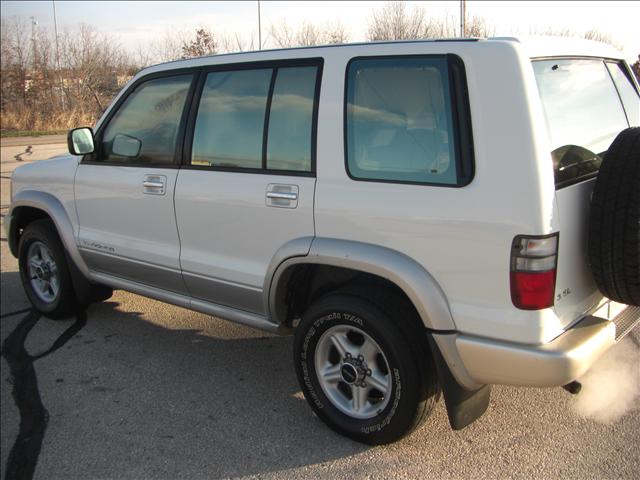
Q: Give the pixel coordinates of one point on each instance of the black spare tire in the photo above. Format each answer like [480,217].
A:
[614,228]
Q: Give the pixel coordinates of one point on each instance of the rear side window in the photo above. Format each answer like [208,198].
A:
[400,123]
[257,119]
[145,128]
[290,119]
[230,119]
[583,112]
[628,93]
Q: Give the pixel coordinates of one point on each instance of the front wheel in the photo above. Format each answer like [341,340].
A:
[359,370]
[44,271]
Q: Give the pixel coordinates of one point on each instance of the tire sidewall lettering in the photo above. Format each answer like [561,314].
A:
[318,398]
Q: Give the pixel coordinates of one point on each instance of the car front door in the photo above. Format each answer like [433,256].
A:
[124,191]
[247,185]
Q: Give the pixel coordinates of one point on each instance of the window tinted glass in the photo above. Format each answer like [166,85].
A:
[399,120]
[145,127]
[230,121]
[627,92]
[291,119]
[583,113]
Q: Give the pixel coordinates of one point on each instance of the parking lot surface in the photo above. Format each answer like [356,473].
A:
[148,390]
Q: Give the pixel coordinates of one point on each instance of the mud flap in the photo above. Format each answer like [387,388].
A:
[463,406]
[85,291]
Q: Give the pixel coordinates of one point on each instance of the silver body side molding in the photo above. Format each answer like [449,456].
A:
[227,313]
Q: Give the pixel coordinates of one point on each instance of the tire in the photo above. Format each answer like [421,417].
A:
[330,380]
[44,271]
[614,228]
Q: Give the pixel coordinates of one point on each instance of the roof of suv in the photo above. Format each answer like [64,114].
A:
[547,46]
[534,46]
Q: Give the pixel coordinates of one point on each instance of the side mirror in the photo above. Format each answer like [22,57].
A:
[126,146]
[80,141]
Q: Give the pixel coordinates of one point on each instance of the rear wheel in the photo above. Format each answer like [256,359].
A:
[359,371]
[614,229]
[44,271]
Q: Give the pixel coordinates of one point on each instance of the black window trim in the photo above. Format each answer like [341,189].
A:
[267,116]
[460,113]
[274,65]
[91,159]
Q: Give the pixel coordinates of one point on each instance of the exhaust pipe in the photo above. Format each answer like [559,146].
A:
[573,387]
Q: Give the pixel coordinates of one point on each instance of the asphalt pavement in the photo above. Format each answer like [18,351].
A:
[148,390]
[41,140]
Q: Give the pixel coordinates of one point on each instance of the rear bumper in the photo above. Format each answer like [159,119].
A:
[478,361]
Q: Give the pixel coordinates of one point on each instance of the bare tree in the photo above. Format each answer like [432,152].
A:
[203,44]
[15,58]
[394,21]
[592,34]
[282,34]
[235,43]
[169,46]
[34,85]
[307,35]
[445,27]
[93,61]
[600,36]
[479,27]
[335,33]
[143,57]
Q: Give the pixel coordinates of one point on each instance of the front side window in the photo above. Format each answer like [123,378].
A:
[399,120]
[583,113]
[144,130]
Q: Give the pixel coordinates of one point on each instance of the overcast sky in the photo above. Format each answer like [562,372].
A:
[135,24]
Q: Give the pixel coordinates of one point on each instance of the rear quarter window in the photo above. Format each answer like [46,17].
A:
[404,119]
[584,114]
[627,91]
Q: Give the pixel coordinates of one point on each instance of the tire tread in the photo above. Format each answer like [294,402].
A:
[614,228]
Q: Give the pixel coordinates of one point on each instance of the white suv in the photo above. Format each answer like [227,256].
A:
[424,216]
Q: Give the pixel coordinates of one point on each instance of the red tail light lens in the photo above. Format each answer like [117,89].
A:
[533,271]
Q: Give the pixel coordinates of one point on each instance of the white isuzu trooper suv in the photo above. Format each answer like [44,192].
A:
[424,216]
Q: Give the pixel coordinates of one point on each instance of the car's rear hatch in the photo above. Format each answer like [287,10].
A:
[586,102]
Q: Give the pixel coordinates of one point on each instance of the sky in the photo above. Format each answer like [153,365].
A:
[137,24]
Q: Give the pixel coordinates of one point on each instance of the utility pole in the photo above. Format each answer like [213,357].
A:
[463,18]
[55,28]
[259,28]
[34,24]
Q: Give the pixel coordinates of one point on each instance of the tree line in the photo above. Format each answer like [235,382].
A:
[55,82]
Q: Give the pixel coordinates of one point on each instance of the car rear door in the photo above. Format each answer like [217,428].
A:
[124,191]
[587,102]
[246,187]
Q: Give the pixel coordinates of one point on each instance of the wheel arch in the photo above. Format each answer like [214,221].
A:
[413,280]
[30,205]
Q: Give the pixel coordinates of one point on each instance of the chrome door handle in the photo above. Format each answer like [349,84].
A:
[148,184]
[282,195]
[154,184]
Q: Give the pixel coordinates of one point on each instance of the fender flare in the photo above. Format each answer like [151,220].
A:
[56,211]
[412,278]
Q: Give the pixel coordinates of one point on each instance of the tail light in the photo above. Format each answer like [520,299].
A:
[533,271]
